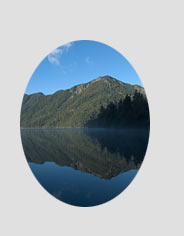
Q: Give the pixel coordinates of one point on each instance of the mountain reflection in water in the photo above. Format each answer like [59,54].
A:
[99,159]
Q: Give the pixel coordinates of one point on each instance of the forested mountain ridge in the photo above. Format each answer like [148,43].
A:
[74,107]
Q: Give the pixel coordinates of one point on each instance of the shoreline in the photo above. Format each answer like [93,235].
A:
[91,128]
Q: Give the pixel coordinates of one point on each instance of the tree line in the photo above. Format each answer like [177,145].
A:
[132,111]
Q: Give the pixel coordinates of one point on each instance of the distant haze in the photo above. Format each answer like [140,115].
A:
[79,62]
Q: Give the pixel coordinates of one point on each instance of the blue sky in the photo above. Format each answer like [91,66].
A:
[79,62]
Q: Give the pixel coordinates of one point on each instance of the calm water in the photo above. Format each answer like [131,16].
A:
[84,167]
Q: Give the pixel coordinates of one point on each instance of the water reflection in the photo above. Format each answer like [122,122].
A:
[84,167]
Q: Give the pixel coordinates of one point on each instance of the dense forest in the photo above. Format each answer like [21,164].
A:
[130,112]
[105,102]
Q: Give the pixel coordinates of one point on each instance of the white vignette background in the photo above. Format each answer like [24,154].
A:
[149,35]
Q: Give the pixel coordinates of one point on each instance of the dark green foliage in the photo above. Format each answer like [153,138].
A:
[76,106]
[130,112]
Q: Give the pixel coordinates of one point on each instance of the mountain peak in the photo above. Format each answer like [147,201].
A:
[105,77]
[81,87]
[75,106]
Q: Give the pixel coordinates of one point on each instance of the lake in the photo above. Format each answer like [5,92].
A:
[84,167]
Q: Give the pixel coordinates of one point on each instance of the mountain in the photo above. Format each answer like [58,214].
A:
[73,107]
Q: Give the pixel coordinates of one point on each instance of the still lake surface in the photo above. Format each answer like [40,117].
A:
[84,167]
